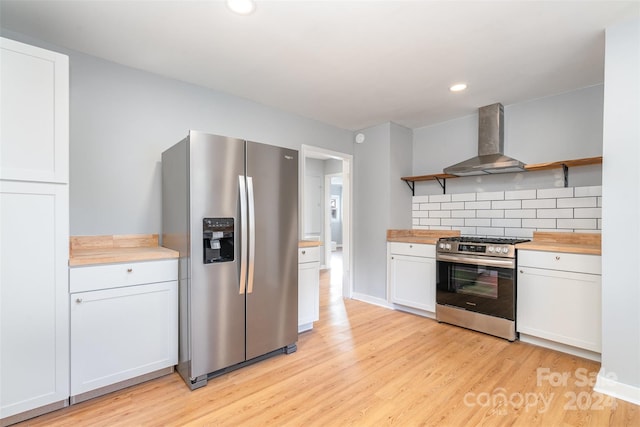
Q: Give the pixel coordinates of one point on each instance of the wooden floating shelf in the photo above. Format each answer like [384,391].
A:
[568,163]
[563,164]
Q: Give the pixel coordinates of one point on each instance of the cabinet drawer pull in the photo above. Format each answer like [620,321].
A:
[129,270]
[304,252]
[521,271]
[78,300]
[557,258]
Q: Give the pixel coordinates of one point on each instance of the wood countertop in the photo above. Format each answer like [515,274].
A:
[309,243]
[429,237]
[577,243]
[91,250]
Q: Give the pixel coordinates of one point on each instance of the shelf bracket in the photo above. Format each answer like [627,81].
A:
[412,186]
[565,171]
[443,184]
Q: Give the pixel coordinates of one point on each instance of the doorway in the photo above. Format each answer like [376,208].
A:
[326,217]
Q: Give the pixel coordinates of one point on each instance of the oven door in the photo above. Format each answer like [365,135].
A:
[475,283]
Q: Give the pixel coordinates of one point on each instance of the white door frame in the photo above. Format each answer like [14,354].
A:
[347,204]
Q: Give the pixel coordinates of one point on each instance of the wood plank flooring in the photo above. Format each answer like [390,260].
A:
[364,365]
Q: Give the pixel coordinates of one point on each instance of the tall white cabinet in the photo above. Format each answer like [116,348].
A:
[34,231]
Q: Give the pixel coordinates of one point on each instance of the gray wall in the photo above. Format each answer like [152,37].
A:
[621,211]
[561,127]
[121,119]
[379,198]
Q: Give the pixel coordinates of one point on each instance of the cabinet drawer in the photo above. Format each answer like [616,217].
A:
[309,254]
[412,249]
[94,277]
[579,263]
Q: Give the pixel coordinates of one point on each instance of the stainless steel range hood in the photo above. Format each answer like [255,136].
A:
[490,158]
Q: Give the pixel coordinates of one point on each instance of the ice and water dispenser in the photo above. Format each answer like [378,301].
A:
[217,236]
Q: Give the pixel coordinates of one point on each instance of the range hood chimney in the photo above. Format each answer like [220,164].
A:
[490,158]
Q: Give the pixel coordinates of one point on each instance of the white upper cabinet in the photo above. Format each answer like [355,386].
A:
[34,95]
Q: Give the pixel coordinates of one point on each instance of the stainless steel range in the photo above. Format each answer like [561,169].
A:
[476,284]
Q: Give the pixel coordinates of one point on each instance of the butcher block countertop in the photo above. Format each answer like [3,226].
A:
[88,250]
[309,243]
[577,243]
[429,237]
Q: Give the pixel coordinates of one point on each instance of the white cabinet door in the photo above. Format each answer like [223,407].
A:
[308,295]
[34,310]
[560,306]
[308,287]
[34,95]
[412,281]
[118,334]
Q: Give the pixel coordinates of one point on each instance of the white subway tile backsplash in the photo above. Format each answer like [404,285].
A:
[506,204]
[515,213]
[490,231]
[467,231]
[490,213]
[463,197]
[430,221]
[520,194]
[477,222]
[587,213]
[524,233]
[439,214]
[520,213]
[440,228]
[440,198]
[596,190]
[453,205]
[577,224]
[463,214]
[554,213]
[478,205]
[429,206]
[550,193]
[539,203]
[539,223]
[510,222]
[578,202]
[490,195]
[459,222]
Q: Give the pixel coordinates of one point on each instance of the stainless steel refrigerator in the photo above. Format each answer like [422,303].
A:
[230,207]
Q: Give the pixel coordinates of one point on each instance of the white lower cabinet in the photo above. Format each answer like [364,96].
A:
[308,287]
[123,332]
[411,270]
[559,300]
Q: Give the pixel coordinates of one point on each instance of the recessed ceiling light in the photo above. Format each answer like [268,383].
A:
[458,87]
[241,7]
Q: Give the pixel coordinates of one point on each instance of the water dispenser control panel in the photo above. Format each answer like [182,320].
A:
[217,239]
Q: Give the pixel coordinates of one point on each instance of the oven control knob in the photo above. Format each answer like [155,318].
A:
[505,250]
[441,245]
[447,246]
[491,249]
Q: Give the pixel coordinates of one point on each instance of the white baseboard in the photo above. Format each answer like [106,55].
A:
[371,300]
[541,342]
[616,389]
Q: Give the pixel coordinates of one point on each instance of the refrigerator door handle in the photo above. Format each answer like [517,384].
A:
[252,234]
[243,234]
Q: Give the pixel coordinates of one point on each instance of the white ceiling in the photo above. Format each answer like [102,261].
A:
[351,64]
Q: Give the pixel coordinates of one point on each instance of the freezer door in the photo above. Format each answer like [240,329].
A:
[216,302]
[272,288]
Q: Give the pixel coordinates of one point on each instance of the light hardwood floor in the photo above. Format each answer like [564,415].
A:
[368,366]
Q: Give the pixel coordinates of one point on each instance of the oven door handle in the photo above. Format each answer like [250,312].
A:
[489,262]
